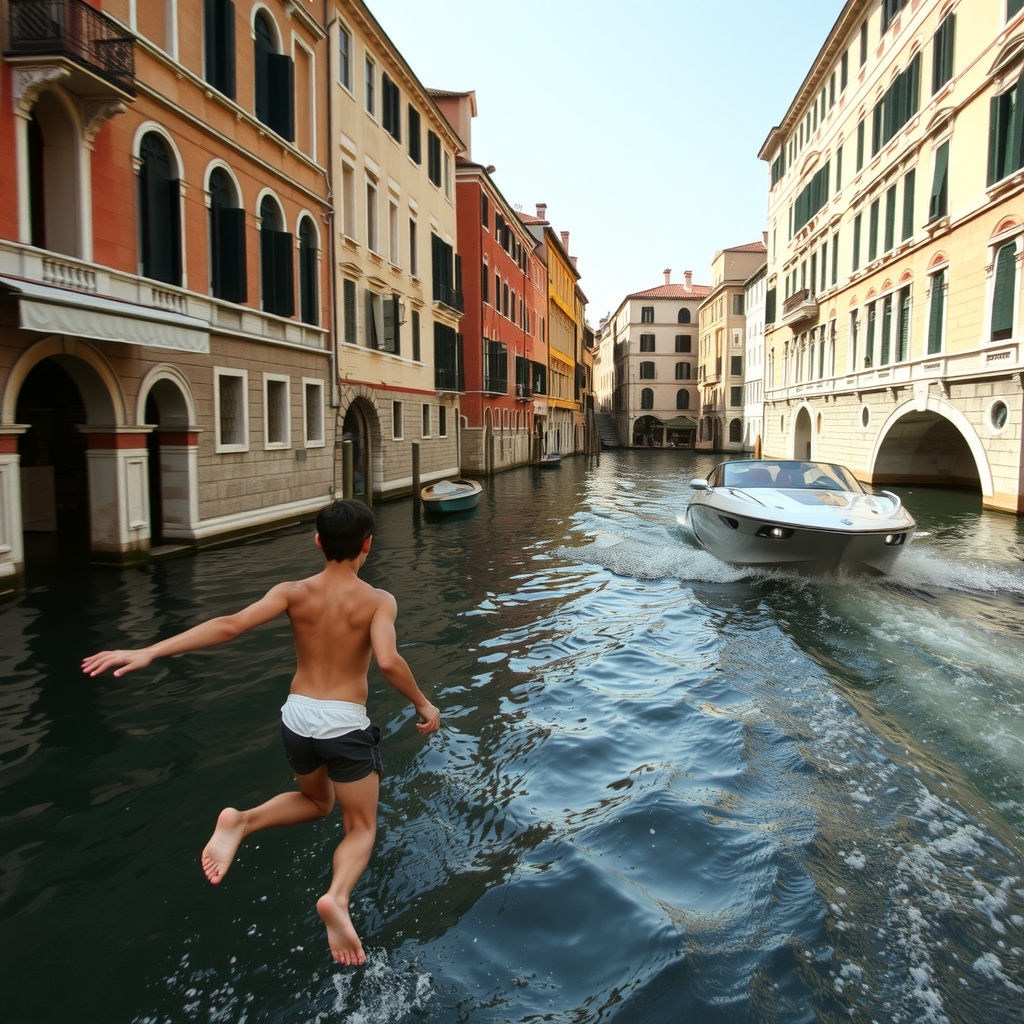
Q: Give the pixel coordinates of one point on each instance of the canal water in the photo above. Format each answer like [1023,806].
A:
[666,790]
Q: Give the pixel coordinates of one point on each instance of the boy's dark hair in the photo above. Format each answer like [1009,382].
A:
[343,525]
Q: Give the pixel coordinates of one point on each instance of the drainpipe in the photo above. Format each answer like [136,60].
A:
[332,254]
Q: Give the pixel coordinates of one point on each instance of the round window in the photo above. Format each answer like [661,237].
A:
[865,416]
[998,415]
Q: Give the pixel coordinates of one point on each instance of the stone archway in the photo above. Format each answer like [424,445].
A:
[361,431]
[803,435]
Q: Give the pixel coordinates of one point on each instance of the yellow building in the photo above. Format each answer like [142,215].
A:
[896,231]
[721,344]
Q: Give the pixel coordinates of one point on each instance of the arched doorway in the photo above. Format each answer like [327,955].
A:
[488,442]
[644,431]
[54,467]
[171,452]
[802,435]
[924,447]
[356,429]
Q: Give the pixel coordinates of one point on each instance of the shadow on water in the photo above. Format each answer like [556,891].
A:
[666,789]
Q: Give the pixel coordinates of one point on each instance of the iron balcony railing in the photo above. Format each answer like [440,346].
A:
[446,379]
[524,392]
[449,296]
[73,29]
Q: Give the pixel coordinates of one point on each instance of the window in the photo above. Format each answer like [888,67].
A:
[309,311]
[890,219]
[736,366]
[890,8]
[1003,291]
[683,371]
[863,42]
[159,212]
[348,294]
[485,283]
[813,197]
[942,53]
[313,412]
[937,312]
[873,230]
[390,107]
[231,409]
[903,325]
[345,57]
[682,399]
[442,421]
[449,371]
[844,70]
[370,86]
[1012,7]
[869,343]
[415,136]
[684,342]
[227,239]
[737,305]
[485,211]
[277,412]
[860,144]
[856,241]
[909,182]
[854,335]
[835,258]
[447,175]
[735,397]
[414,249]
[886,339]
[938,204]
[647,371]
[647,315]
[219,45]
[396,421]
[275,82]
[434,158]
[1006,133]
[372,225]
[684,316]
[646,342]
[276,271]
[447,275]
[348,200]
[647,398]
[839,166]
[425,430]
[416,338]
[899,104]
[394,243]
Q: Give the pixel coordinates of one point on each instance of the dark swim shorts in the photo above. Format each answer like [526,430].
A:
[349,758]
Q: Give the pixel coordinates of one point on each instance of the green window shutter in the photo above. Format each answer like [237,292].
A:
[230,272]
[869,342]
[935,314]
[909,184]
[904,325]
[835,257]
[994,133]
[873,231]
[1003,293]
[886,330]
[349,294]
[939,202]
[890,219]
[416,335]
[281,95]
[1012,7]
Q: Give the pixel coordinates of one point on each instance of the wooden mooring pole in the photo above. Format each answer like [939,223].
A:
[415,479]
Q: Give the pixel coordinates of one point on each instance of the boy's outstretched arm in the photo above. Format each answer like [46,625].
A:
[206,634]
[394,667]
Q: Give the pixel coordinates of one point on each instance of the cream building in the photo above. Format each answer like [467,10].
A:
[755,293]
[398,280]
[896,229]
[722,338]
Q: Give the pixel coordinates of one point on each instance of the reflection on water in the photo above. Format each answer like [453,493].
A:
[666,789]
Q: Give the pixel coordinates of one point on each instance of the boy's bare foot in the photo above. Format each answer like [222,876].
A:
[341,936]
[223,845]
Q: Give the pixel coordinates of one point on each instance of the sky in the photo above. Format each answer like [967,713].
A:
[638,122]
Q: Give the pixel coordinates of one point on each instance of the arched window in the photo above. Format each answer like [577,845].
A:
[276,271]
[308,292]
[647,398]
[227,239]
[682,399]
[275,81]
[1003,291]
[735,430]
[684,316]
[159,217]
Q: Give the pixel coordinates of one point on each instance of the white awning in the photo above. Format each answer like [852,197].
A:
[52,310]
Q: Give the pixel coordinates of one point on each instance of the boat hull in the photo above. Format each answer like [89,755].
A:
[465,496]
[801,548]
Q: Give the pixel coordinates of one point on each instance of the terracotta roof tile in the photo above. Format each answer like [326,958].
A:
[528,218]
[749,247]
[673,291]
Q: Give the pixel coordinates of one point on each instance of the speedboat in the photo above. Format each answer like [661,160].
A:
[811,516]
[451,495]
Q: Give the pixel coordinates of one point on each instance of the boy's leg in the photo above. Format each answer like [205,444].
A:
[314,799]
[358,802]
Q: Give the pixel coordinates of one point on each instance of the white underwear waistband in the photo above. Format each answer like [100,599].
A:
[322,719]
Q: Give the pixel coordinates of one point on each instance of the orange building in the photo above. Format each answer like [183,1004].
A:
[166,365]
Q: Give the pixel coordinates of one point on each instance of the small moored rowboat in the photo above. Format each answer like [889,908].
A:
[451,495]
[550,460]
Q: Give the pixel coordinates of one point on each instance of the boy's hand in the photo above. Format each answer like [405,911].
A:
[120,661]
[431,718]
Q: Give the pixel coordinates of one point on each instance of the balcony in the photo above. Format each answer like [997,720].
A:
[449,380]
[91,49]
[449,296]
[494,385]
[524,393]
[800,306]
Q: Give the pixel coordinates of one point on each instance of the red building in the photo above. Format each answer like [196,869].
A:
[504,282]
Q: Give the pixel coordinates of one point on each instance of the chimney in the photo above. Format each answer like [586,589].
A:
[668,276]
[565,240]
[688,280]
[764,238]
[573,259]
[542,211]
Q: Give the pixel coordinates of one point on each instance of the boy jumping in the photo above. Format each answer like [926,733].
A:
[337,622]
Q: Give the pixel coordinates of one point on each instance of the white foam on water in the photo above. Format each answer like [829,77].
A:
[923,567]
[377,993]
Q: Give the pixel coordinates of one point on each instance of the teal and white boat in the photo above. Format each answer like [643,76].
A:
[451,495]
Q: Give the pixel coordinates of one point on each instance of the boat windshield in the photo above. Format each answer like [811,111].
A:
[811,476]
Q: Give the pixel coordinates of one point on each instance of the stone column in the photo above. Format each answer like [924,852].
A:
[12,548]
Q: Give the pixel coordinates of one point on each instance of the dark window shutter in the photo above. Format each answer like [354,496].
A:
[219,45]
[349,293]
[284,287]
[994,109]
[909,185]
[890,219]
[268,279]
[1002,297]
[416,335]
[769,306]
[230,269]
[281,100]
[935,314]
[937,206]
[886,329]
[308,292]
[904,325]
[415,135]
[263,51]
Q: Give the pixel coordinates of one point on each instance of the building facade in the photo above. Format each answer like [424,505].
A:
[755,294]
[647,368]
[165,348]
[722,340]
[504,403]
[398,285]
[897,234]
